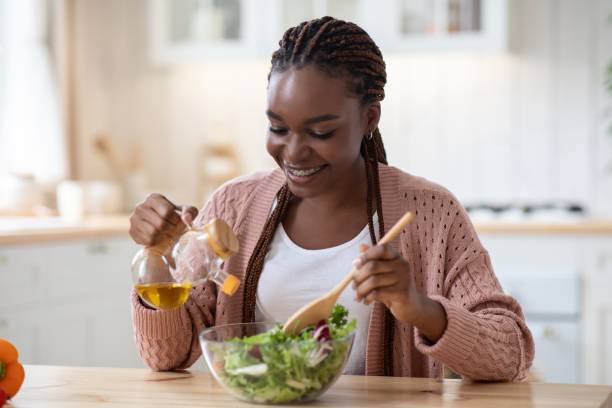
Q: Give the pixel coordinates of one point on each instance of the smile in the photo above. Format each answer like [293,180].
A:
[303,172]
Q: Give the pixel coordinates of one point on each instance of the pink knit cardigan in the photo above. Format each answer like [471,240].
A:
[485,339]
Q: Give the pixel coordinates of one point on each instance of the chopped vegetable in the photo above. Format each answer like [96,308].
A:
[255,370]
[275,367]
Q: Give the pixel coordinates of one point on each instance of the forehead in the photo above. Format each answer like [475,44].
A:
[308,92]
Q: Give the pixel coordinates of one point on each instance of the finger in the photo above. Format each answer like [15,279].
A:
[376,295]
[384,251]
[385,295]
[375,282]
[147,228]
[188,213]
[162,206]
[140,236]
[152,217]
[151,234]
[371,268]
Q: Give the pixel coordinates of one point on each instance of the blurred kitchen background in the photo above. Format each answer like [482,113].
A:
[506,103]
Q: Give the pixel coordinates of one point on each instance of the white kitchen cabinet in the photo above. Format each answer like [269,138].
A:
[598,315]
[193,30]
[67,302]
[400,26]
[441,25]
[182,31]
[554,339]
[563,282]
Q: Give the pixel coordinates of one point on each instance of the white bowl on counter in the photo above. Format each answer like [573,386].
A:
[77,199]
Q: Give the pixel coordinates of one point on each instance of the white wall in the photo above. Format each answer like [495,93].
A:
[526,125]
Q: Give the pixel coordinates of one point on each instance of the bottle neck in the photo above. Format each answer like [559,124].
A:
[216,272]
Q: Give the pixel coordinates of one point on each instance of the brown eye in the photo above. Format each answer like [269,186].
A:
[278,131]
[323,136]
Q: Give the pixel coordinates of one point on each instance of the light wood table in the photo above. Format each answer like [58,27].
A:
[81,387]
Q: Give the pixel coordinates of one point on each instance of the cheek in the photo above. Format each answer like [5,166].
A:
[337,152]
[346,149]
[273,147]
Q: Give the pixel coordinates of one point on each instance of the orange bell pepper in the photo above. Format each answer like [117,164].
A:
[12,373]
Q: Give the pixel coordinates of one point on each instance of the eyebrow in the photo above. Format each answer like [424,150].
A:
[316,119]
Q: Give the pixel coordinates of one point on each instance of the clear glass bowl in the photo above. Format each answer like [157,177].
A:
[293,371]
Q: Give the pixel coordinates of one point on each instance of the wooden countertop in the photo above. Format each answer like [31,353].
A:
[66,387]
[589,226]
[31,230]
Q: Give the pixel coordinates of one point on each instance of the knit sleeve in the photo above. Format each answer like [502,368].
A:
[486,337]
[168,340]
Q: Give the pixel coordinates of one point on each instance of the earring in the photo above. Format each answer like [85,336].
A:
[370,136]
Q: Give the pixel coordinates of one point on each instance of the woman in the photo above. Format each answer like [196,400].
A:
[428,299]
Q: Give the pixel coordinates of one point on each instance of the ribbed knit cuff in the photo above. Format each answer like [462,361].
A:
[158,324]
[457,341]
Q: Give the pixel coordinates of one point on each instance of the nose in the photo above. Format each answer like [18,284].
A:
[296,149]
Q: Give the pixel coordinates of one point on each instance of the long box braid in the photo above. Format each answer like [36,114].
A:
[336,47]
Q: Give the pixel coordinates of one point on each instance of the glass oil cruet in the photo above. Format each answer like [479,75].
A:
[164,274]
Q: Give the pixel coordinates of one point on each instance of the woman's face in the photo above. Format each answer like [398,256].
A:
[316,129]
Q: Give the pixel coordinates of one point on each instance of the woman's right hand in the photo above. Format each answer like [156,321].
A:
[157,219]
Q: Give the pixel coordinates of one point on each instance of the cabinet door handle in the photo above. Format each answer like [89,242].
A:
[99,248]
[549,333]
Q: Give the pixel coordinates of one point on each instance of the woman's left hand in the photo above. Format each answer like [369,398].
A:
[383,275]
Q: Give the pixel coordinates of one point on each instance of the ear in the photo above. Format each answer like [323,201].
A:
[371,117]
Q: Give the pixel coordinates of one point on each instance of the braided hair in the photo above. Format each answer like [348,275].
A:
[338,48]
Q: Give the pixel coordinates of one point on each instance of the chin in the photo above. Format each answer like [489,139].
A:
[304,188]
[302,192]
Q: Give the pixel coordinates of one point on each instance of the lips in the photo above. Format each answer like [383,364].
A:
[302,175]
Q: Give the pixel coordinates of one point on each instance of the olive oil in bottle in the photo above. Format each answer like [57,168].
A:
[163,277]
[165,296]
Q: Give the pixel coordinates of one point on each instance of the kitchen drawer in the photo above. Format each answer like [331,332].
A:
[96,332]
[542,290]
[557,350]
[50,335]
[21,270]
[88,268]
[60,271]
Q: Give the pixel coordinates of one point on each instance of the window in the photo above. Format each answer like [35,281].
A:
[31,133]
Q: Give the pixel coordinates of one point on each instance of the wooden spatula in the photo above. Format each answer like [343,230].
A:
[320,309]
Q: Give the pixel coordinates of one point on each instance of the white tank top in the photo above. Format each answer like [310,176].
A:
[293,276]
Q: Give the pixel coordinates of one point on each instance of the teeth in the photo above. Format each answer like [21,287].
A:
[303,173]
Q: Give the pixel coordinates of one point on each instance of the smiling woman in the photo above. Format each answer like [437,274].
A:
[428,299]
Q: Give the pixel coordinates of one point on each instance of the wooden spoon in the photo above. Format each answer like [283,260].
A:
[320,308]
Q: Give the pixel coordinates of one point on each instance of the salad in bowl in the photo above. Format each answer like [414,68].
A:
[257,362]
